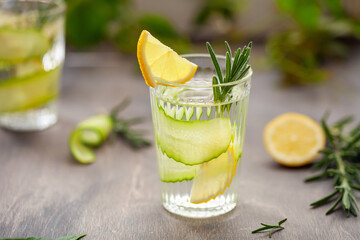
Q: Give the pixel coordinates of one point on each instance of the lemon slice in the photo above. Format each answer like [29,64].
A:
[293,139]
[213,177]
[159,63]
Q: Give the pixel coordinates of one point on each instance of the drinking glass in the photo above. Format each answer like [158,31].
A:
[31,58]
[199,140]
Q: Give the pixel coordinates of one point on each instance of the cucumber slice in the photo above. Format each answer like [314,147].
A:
[90,133]
[100,124]
[81,152]
[193,142]
[172,171]
[91,138]
[189,112]
[10,71]
[170,111]
[18,45]
[180,112]
[213,178]
[199,112]
[208,112]
[23,93]
[161,104]
[28,68]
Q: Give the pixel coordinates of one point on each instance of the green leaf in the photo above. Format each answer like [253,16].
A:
[324,200]
[228,49]
[316,177]
[353,141]
[353,199]
[282,221]
[328,134]
[346,200]
[75,237]
[228,67]
[232,73]
[217,92]
[353,210]
[355,130]
[334,206]
[236,60]
[215,62]
[272,228]
[341,123]
[260,229]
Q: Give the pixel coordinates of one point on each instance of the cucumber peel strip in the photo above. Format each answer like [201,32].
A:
[191,142]
[91,132]
[82,153]
[171,171]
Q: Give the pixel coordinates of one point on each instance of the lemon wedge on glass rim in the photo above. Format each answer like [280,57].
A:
[160,64]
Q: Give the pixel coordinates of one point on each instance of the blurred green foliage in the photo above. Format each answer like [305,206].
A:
[215,18]
[227,9]
[319,30]
[126,38]
[90,22]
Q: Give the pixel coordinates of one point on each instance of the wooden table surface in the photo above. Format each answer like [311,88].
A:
[45,193]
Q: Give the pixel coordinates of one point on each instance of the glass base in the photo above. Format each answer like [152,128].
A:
[31,120]
[180,205]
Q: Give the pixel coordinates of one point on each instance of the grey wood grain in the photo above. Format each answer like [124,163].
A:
[45,193]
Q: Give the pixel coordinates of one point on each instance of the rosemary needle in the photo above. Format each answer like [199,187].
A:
[272,228]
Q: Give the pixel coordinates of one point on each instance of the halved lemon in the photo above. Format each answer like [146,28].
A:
[293,139]
[159,63]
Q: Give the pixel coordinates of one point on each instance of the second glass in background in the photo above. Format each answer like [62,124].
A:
[31,57]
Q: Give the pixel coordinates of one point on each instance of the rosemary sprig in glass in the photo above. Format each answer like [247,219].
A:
[235,69]
[341,162]
[272,228]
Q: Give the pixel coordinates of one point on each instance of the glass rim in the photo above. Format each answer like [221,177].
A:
[204,55]
[60,5]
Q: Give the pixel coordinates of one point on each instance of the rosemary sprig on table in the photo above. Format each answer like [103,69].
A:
[75,237]
[235,69]
[272,228]
[341,162]
[94,131]
[122,127]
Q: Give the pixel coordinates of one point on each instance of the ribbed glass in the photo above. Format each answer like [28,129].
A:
[31,56]
[194,102]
